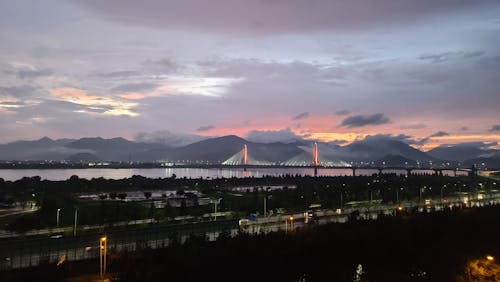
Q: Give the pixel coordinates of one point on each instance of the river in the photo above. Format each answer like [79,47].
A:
[119,173]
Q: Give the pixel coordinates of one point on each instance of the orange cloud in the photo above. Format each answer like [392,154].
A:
[77,96]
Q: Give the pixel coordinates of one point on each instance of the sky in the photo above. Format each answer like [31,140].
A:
[267,70]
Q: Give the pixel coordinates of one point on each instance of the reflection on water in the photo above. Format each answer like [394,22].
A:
[111,173]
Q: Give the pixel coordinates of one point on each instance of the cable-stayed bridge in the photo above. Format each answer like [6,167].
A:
[242,158]
[315,159]
[308,158]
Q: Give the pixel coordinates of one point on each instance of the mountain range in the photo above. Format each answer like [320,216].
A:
[388,151]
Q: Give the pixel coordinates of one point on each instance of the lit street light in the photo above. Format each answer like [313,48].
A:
[57,217]
[291,223]
[444,186]
[102,255]
[76,220]
[216,202]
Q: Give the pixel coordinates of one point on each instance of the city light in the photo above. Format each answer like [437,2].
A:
[490,258]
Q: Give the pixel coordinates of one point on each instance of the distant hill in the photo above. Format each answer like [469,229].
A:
[487,162]
[115,149]
[222,148]
[377,149]
[395,160]
[83,157]
[41,149]
[371,149]
[459,152]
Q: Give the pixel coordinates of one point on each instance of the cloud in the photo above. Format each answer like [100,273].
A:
[413,126]
[271,16]
[464,128]
[265,69]
[27,71]
[168,138]
[445,56]
[384,137]
[474,144]
[337,142]
[11,104]
[364,120]
[19,91]
[205,128]
[135,87]
[270,136]
[118,74]
[439,134]
[342,112]
[495,127]
[424,140]
[301,116]
[163,66]
[93,104]
[33,73]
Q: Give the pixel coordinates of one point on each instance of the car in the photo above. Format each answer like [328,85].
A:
[310,216]
[243,222]
[56,236]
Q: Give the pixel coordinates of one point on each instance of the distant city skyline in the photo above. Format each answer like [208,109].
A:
[271,70]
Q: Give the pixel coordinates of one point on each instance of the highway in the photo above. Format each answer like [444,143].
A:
[24,252]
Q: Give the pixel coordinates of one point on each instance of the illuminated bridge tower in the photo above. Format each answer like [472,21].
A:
[245,157]
[315,158]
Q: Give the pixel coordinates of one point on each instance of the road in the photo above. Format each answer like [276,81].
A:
[25,252]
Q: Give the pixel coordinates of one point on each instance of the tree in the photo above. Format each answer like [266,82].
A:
[481,270]
[122,196]
[147,194]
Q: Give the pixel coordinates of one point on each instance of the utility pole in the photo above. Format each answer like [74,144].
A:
[57,217]
[76,220]
[102,255]
[215,208]
[265,203]
[341,200]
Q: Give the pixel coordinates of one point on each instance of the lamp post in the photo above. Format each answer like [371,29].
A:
[102,255]
[442,204]
[371,192]
[215,208]
[57,217]
[420,194]
[265,205]
[291,223]
[76,220]
[341,200]
[342,196]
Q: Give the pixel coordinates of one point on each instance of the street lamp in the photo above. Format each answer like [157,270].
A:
[76,220]
[442,187]
[215,208]
[291,223]
[102,255]
[490,258]
[420,194]
[57,217]
[371,192]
